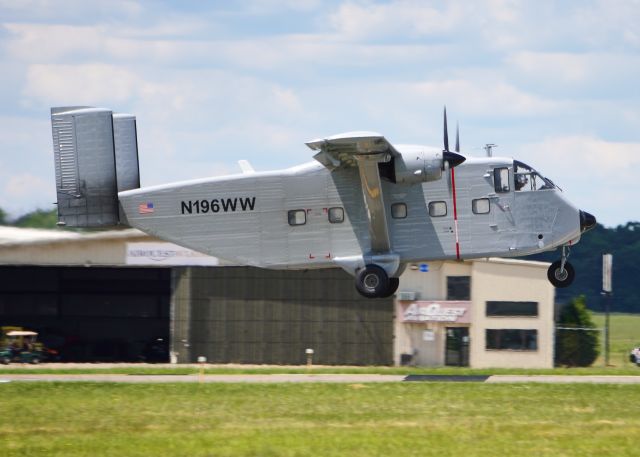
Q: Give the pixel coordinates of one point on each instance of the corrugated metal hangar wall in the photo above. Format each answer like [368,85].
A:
[251,315]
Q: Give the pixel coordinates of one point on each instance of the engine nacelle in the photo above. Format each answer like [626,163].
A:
[417,165]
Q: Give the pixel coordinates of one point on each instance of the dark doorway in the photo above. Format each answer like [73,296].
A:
[91,314]
[457,347]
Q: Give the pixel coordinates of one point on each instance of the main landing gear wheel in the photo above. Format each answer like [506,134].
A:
[393,286]
[558,277]
[372,281]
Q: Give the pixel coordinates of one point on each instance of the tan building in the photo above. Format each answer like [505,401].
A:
[480,313]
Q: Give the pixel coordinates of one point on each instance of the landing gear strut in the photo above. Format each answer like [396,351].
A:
[561,272]
[373,282]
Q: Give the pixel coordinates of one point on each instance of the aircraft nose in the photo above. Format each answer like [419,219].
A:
[587,221]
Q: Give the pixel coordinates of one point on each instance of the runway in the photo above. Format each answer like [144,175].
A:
[314,378]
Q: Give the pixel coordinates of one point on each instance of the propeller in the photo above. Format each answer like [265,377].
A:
[446,133]
[451,159]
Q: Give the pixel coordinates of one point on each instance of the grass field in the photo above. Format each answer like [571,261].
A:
[403,419]
[625,334]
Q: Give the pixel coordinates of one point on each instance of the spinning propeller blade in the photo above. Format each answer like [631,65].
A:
[450,159]
[445,133]
[457,137]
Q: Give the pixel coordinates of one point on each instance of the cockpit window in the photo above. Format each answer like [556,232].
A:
[501,179]
[527,179]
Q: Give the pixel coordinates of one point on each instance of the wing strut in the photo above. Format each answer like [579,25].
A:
[374,201]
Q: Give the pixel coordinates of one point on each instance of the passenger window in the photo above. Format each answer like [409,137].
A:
[399,210]
[501,179]
[336,215]
[480,206]
[437,209]
[297,217]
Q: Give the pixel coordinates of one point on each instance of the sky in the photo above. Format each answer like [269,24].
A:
[554,84]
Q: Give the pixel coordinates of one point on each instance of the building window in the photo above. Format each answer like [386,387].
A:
[480,206]
[297,217]
[512,339]
[512,308]
[501,180]
[458,287]
[437,209]
[399,210]
[336,215]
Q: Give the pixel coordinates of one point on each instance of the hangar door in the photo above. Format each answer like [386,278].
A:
[91,313]
[252,315]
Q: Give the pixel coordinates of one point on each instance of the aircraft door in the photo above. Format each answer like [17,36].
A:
[502,201]
[307,208]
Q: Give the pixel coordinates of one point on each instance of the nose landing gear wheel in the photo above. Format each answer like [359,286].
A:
[560,278]
[372,281]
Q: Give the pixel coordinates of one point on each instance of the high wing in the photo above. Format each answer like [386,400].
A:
[366,150]
[342,149]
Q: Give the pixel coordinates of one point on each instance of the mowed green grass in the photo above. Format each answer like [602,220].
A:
[625,335]
[403,419]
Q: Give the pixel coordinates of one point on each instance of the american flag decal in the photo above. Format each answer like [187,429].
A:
[145,208]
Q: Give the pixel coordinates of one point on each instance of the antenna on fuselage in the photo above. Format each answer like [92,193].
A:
[489,148]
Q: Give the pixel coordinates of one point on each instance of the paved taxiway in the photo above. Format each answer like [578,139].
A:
[305,378]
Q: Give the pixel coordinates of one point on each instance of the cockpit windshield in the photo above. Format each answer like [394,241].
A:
[527,179]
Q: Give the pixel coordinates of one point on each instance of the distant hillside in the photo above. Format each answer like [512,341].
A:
[586,257]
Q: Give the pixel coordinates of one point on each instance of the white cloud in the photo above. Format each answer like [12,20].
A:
[596,159]
[571,71]
[488,98]
[89,83]
[71,10]
[406,18]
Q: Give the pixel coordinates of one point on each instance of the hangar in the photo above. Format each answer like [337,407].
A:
[125,296]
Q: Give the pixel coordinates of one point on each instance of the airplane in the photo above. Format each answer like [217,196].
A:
[364,204]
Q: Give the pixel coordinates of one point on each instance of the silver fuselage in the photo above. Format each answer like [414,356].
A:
[244,218]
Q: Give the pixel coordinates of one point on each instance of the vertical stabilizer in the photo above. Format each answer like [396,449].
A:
[96,156]
[126,149]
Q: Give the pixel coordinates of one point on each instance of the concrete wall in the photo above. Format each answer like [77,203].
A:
[251,315]
[517,281]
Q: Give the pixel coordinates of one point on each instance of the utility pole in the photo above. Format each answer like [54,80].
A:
[607,292]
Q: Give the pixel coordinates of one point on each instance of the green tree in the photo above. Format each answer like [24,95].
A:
[576,348]
[3,217]
[39,218]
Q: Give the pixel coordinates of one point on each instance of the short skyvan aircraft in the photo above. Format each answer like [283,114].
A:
[365,205]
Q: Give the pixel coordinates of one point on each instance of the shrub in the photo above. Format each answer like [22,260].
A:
[576,348]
